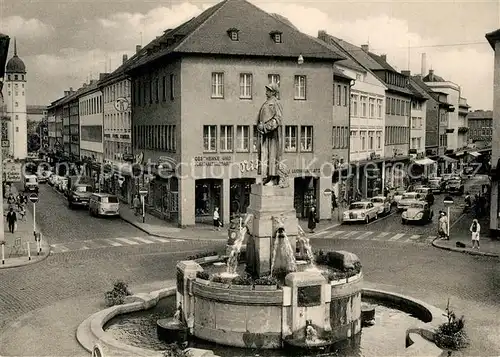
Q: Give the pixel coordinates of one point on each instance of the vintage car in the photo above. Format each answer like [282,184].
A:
[396,195]
[455,186]
[360,211]
[407,199]
[437,184]
[382,203]
[417,212]
[426,193]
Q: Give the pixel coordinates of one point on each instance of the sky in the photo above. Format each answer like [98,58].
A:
[64,43]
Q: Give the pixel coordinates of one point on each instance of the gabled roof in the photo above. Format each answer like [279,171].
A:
[431,77]
[207,34]
[348,62]
[362,57]
[417,91]
[417,81]
[382,62]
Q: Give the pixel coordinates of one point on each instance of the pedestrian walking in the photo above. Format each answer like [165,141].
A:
[136,202]
[216,219]
[11,220]
[443,226]
[475,229]
[312,219]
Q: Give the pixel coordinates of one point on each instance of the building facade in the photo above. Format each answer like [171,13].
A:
[480,124]
[16,128]
[201,140]
[74,129]
[463,126]
[117,111]
[91,123]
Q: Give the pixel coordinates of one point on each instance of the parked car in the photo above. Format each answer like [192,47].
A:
[52,179]
[79,195]
[426,193]
[104,204]
[407,199]
[62,184]
[417,212]
[360,211]
[397,195]
[382,203]
[455,186]
[437,184]
[43,176]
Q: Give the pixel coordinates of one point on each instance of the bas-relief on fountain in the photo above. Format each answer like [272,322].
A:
[261,317]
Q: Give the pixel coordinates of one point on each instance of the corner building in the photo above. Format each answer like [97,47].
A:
[196,95]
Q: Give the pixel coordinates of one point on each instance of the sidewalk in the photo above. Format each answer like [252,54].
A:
[157,227]
[15,247]
[460,233]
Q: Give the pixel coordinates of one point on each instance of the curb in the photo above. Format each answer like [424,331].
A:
[462,250]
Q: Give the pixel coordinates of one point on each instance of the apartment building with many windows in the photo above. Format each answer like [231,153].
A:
[199,130]
[480,124]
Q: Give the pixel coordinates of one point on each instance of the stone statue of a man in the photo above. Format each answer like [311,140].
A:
[269,139]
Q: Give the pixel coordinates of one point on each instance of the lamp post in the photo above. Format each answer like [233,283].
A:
[448,201]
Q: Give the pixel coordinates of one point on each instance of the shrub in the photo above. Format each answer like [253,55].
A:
[451,334]
[242,280]
[118,294]
[203,275]
[266,280]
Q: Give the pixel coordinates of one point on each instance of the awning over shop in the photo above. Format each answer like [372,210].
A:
[425,161]
[474,153]
[447,159]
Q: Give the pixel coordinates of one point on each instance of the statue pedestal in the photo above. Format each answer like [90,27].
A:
[271,207]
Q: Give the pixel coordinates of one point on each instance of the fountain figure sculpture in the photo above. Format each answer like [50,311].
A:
[311,333]
[305,246]
[282,246]
[232,261]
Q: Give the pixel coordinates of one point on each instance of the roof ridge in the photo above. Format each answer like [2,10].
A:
[220,4]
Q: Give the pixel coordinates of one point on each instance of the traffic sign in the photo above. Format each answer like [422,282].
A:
[33,198]
[327,192]
[5,143]
[448,200]
[143,192]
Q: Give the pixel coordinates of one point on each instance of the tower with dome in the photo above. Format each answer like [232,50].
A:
[15,101]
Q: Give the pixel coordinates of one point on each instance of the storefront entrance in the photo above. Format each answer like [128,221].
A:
[165,198]
[208,195]
[305,195]
[240,195]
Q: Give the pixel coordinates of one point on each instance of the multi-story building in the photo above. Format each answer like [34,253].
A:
[91,128]
[51,126]
[15,100]
[36,113]
[208,133]
[480,124]
[74,128]
[55,121]
[366,120]
[463,126]
[494,40]
[117,129]
[65,128]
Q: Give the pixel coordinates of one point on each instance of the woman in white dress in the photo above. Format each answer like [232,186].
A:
[475,228]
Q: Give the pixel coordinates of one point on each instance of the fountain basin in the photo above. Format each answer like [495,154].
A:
[171,330]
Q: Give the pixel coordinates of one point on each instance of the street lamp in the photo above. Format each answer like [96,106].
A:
[448,201]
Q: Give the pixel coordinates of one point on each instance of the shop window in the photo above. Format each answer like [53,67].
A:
[306,138]
[291,138]
[217,85]
[300,84]
[209,138]
[245,86]
[226,138]
[242,138]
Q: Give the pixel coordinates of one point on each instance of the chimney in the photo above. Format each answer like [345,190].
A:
[431,74]
[321,34]
[423,69]
[406,73]
[66,93]
[384,57]
[71,89]
[364,48]
[138,48]
[124,58]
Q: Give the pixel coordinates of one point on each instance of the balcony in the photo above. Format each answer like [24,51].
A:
[463,130]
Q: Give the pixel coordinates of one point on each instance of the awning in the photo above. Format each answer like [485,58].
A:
[447,159]
[474,153]
[425,161]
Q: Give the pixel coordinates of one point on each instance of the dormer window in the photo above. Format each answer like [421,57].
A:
[233,34]
[276,36]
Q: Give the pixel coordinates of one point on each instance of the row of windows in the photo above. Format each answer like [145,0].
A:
[366,107]
[154,90]
[443,140]
[91,106]
[416,105]
[246,85]
[395,135]
[117,90]
[118,122]
[340,94]
[16,77]
[359,140]
[417,123]
[115,150]
[480,123]
[239,140]
[340,137]
[396,106]
[416,143]
[91,133]
[479,132]
[155,137]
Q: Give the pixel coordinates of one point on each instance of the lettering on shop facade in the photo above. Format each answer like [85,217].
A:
[306,171]
[212,160]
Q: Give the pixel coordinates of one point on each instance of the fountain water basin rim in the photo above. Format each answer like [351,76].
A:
[91,330]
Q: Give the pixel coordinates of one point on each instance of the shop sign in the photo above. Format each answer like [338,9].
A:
[306,171]
[128,157]
[12,171]
[212,160]
[248,165]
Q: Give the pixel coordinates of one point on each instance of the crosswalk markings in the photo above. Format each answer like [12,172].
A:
[114,244]
[348,235]
[381,235]
[320,234]
[144,240]
[364,235]
[396,237]
[161,240]
[335,233]
[84,247]
[127,241]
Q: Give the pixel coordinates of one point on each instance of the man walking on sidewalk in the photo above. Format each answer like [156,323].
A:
[11,220]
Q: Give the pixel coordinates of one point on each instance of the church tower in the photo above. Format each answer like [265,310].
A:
[15,100]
